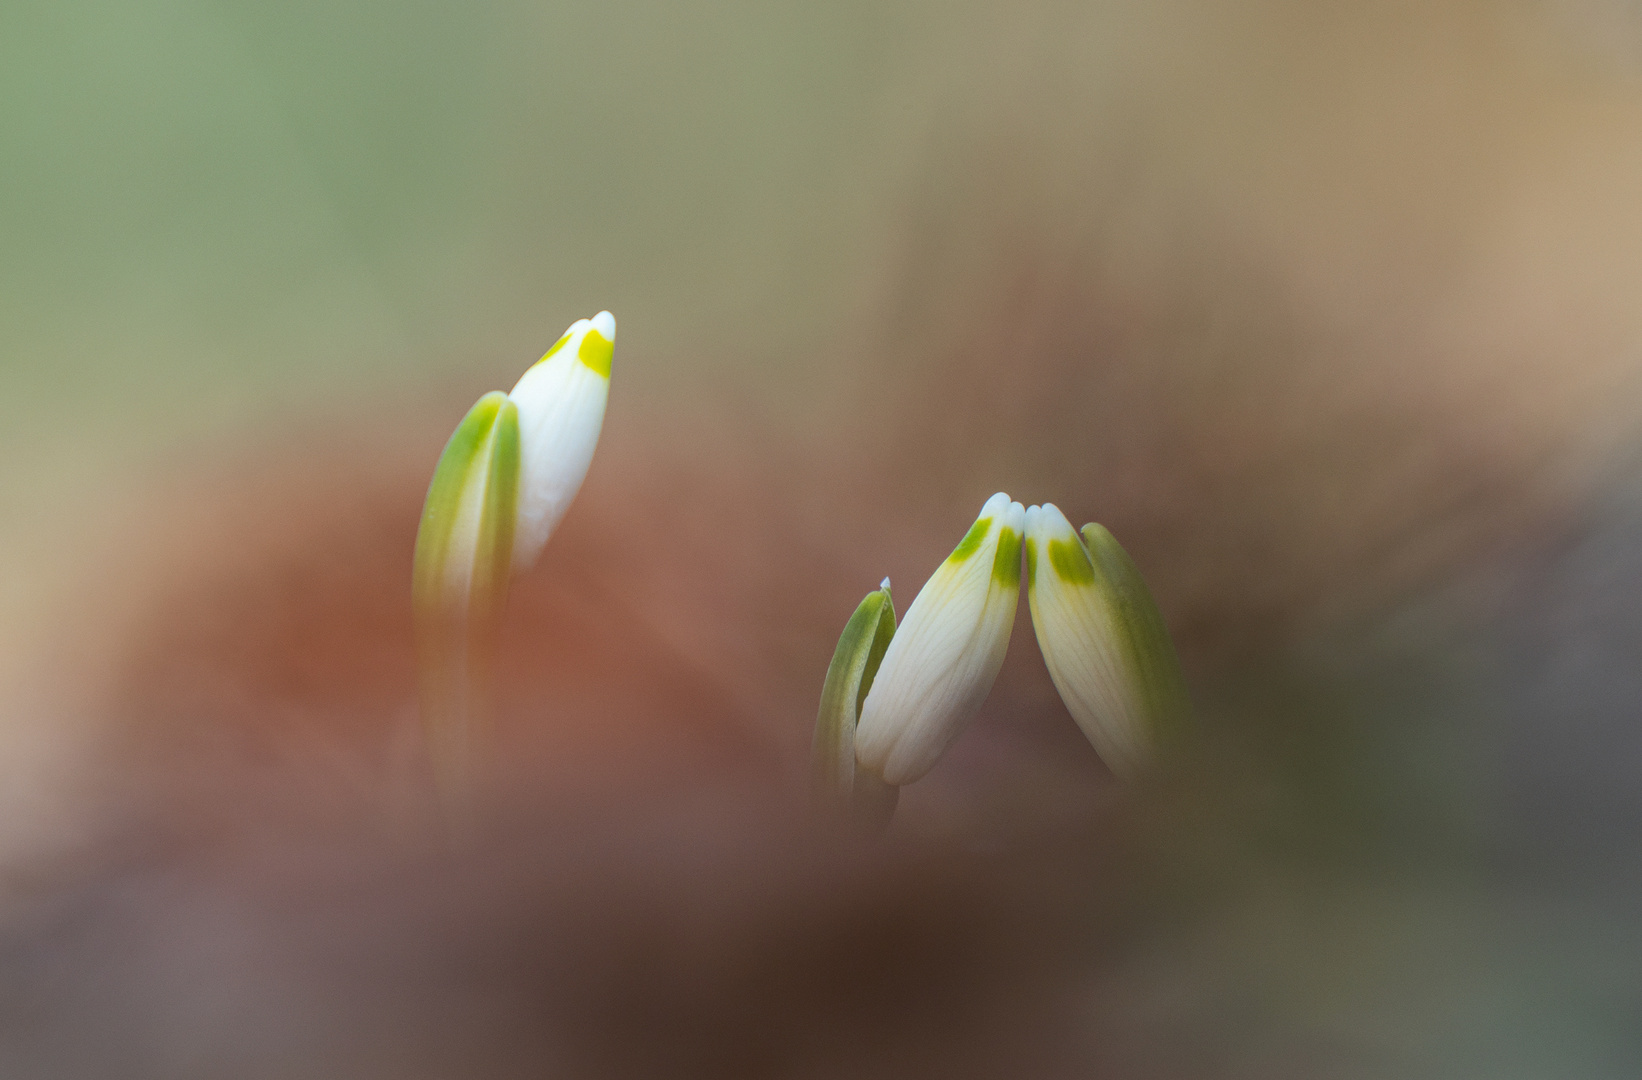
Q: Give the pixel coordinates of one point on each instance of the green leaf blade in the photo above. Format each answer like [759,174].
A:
[1143,635]
[854,665]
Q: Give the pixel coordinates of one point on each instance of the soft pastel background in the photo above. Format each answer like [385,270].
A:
[1330,312]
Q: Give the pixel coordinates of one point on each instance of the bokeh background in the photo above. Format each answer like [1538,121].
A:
[1329,312]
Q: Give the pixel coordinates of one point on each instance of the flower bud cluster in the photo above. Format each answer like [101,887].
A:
[1101,634]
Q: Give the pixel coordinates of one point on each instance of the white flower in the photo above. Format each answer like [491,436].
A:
[508,473]
[561,409]
[1102,638]
[947,651]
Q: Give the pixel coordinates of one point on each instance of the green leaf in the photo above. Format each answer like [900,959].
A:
[1143,635]
[459,585]
[854,665]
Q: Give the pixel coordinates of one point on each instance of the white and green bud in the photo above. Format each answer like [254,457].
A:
[945,656]
[1103,639]
[561,410]
[504,481]
[850,676]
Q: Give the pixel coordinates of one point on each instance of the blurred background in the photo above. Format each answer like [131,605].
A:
[1328,312]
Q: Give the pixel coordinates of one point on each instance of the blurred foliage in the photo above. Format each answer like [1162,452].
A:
[214,210]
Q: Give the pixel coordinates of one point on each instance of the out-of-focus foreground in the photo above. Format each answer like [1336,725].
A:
[1330,315]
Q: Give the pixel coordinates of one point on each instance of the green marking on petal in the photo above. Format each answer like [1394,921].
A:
[972,540]
[595,351]
[1006,564]
[1031,564]
[1071,562]
[557,345]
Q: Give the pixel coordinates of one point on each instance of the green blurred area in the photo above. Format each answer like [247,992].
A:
[214,211]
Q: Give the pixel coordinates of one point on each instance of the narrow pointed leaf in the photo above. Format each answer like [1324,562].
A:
[854,665]
[460,580]
[1143,635]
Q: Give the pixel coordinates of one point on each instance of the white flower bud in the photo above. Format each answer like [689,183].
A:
[947,651]
[505,479]
[561,410]
[1102,638]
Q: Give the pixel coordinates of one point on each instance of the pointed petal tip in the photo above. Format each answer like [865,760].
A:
[884,584]
[605,324]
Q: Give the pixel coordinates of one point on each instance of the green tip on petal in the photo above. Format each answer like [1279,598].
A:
[557,345]
[1006,564]
[1071,562]
[594,340]
[596,352]
[972,541]
[947,651]
[599,343]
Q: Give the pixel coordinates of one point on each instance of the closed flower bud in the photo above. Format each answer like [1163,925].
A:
[504,481]
[561,409]
[1103,639]
[946,652]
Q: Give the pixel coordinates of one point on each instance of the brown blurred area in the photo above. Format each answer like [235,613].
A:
[1329,313]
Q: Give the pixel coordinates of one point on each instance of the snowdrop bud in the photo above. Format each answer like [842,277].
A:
[561,409]
[1102,638]
[849,677]
[504,481]
[943,659]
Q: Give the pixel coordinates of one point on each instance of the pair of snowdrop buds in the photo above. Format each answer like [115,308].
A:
[506,478]
[894,699]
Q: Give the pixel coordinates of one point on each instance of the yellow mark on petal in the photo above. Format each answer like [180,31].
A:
[1071,562]
[1006,564]
[557,345]
[595,351]
[972,541]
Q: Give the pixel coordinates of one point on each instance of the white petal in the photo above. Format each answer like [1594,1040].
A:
[945,654]
[1078,635]
[561,404]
